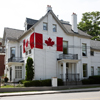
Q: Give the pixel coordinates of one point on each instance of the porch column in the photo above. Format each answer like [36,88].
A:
[64,71]
[73,67]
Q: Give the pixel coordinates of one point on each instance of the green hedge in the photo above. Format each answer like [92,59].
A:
[92,80]
[46,82]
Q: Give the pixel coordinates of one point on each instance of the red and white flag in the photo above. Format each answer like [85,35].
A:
[43,42]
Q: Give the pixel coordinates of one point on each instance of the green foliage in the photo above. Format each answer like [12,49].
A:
[90,23]
[46,82]
[92,80]
[29,69]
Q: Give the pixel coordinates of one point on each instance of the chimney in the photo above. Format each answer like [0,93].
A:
[49,8]
[74,23]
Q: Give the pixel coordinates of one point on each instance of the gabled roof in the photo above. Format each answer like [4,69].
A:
[12,34]
[65,27]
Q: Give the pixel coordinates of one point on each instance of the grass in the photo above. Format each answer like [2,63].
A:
[11,86]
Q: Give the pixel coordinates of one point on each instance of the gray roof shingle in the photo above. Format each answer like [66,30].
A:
[12,33]
[95,44]
[31,21]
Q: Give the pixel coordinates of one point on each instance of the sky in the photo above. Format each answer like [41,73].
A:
[14,12]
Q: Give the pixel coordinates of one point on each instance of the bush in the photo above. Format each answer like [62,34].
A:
[60,82]
[21,81]
[46,82]
[92,80]
[6,79]
[85,81]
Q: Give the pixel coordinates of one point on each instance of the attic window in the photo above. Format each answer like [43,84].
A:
[54,28]
[45,26]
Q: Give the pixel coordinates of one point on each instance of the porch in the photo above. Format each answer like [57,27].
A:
[15,69]
[68,68]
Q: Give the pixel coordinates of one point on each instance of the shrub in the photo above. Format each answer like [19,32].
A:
[60,82]
[29,69]
[85,81]
[21,81]
[6,79]
[92,80]
[46,82]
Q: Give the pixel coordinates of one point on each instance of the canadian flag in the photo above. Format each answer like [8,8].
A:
[43,42]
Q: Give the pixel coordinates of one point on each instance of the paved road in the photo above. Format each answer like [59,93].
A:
[60,96]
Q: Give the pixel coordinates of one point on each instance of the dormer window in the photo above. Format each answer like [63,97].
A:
[54,28]
[45,26]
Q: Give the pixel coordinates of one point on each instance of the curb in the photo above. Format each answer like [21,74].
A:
[49,92]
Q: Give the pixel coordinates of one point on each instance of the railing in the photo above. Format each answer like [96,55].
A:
[68,56]
[15,59]
[71,77]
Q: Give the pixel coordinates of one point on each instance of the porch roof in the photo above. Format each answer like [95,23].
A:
[69,60]
[15,63]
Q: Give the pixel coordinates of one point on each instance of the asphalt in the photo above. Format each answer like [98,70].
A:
[49,92]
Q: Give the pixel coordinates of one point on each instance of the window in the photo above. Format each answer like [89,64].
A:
[12,52]
[84,52]
[30,51]
[18,71]
[92,53]
[98,70]
[54,28]
[45,26]
[26,52]
[21,51]
[92,70]
[65,47]
[84,70]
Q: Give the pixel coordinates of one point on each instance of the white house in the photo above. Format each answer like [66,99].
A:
[58,49]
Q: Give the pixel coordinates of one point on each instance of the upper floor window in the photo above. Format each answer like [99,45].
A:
[92,53]
[21,51]
[84,51]
[45,26]
[12,52]
[65,47]
[26,52]
[54,28]
[30,51]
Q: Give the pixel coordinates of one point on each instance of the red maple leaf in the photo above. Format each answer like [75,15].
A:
[49,42]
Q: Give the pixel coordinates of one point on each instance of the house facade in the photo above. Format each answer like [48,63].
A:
[57,48]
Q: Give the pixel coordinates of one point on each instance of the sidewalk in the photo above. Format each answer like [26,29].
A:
[48,92]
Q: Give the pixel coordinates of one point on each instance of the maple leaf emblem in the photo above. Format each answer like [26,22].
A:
[49,42]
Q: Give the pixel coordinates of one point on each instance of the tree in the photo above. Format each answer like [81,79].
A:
[90,23]
[29,69]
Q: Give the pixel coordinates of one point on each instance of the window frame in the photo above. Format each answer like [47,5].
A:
[45,26]
[92,53]
[11,51]
[92,72]
[84,49]
[85,71]
[18,72]
[66,48]
[20,51]
[98,70]
[54,28]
